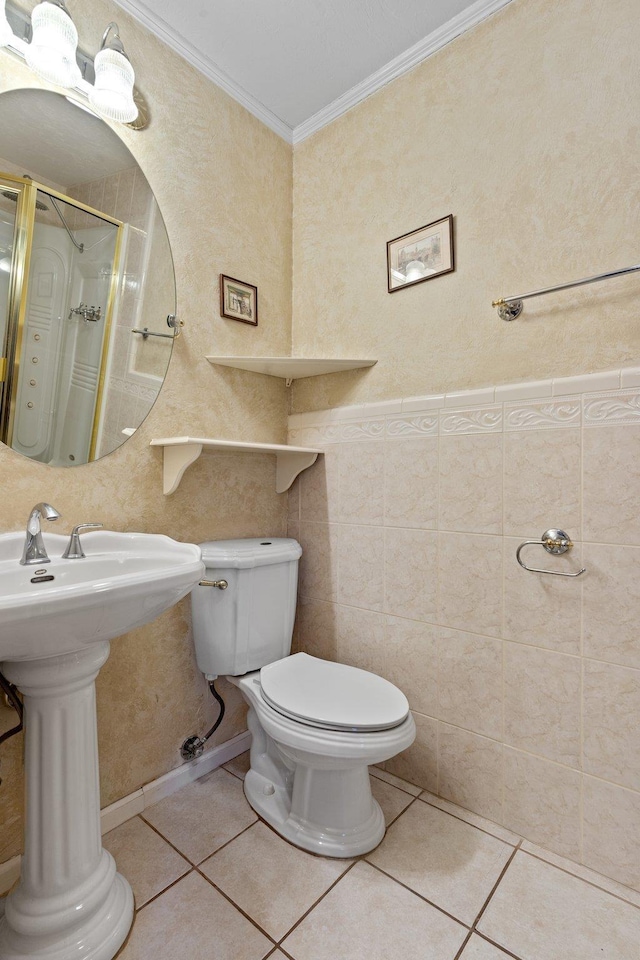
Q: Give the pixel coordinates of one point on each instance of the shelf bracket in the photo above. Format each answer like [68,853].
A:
[289,465]
[176,461]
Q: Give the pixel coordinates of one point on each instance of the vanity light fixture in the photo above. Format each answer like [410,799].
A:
[112,92]
[6,33]
[54,43]
[104,84]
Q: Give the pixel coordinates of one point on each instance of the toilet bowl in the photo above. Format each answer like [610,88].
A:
[309,775]
[316,725]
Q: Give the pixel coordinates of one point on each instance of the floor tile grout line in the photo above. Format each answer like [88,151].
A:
[498,946]
[415,796]
[163,891]
[577,876]
[226,896]
[419,895]
[196,863]
[316,903]
[495,886]
[463,945]
[455,816]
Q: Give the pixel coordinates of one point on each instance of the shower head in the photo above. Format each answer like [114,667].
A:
[14,196]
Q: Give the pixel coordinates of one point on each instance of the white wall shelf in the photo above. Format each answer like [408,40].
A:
[291,368]
[181,452]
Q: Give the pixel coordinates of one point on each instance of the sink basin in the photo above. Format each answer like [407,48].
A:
[125,580]
[56,621]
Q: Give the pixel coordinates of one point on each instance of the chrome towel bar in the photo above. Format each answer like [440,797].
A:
[511,307]
[554,541]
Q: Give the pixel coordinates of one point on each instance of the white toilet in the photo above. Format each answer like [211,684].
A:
[316,725]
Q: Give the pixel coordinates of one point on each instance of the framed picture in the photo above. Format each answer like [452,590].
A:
[420,255]
[238,300]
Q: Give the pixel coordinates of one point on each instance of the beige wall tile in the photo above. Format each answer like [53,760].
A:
[361,471]
[471,483]
[411,662]
[361,567]
[470,771]
[470,582]
[319,487]
[542,702]
[411,483]
[612,831]
[542,802]
[612,604]
[611,714]
[612,463]
[540,911]
[316,629]
[293,498]
[318,570]
[419,764]
[470,682]
[392,801]
[542,482]
[361,638]
[410,573]
[540,610]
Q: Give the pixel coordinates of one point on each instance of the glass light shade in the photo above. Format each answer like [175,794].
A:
[415,270]
[6,33]
[5,265]
[52,51]
[112,93]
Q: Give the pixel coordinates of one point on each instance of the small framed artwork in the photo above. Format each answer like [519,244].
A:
[420,255]
[238,300]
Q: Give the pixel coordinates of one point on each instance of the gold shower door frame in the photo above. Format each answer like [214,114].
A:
[27,191]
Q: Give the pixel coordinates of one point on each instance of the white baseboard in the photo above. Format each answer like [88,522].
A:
[128,807]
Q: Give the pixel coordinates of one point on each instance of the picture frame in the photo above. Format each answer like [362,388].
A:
[421,255]
[238,300]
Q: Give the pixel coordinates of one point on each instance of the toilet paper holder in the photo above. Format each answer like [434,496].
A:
[554,541]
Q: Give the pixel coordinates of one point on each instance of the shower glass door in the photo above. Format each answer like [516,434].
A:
[56,369]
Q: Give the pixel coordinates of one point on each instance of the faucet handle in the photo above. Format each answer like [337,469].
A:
[74,549]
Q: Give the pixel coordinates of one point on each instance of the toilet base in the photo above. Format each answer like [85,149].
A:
[273,803]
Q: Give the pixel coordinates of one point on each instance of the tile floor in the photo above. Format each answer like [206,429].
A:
[212,880]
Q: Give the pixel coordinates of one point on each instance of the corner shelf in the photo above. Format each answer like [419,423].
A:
[291,368]
[181,452]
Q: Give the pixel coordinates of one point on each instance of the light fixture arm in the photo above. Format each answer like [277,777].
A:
[115,43]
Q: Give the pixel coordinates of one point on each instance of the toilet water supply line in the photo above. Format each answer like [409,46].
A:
[194,746]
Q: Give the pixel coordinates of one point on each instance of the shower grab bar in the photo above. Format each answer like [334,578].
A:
[172,321]
[144,333]
[511,307]
[554,541]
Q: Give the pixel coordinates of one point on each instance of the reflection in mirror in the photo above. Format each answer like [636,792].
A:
[85,262]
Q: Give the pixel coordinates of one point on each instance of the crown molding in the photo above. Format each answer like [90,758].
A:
[433,42]
[420,51]
[187,51]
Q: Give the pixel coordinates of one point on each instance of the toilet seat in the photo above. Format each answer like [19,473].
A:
[332,696]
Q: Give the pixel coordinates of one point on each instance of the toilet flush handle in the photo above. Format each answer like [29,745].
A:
[220,584]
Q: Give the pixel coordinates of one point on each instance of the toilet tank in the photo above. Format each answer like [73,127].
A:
[250,623]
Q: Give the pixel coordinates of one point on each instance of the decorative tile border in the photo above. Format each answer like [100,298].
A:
[612,408]
[536,405]
[563,412]
[484,420]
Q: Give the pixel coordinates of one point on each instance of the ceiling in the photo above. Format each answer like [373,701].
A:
[298,64]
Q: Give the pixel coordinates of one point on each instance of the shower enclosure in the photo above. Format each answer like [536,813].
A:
[60,271]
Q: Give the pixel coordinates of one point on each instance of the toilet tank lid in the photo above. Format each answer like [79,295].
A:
[250,552]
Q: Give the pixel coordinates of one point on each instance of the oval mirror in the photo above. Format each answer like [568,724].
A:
[87,288]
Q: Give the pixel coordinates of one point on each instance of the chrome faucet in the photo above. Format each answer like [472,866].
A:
[34,548]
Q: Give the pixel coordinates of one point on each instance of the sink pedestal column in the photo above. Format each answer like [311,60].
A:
[70,904]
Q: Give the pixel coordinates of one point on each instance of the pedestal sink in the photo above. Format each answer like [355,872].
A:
[56,622]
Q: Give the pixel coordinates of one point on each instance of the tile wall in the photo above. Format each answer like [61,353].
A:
[525,688]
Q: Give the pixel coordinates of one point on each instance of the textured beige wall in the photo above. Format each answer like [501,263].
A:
[223,183]
[526,129]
